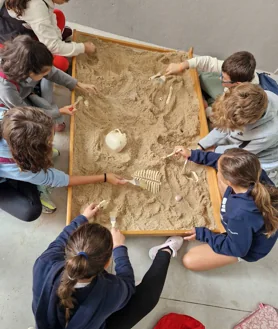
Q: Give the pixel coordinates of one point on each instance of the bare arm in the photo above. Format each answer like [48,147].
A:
[83,180]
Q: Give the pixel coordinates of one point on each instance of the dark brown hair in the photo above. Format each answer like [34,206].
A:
[240,66]
[18,6]
[94,240]
[243,169]
[28,132]
[240,105]
[23,55]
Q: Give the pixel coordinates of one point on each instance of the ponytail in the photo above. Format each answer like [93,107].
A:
[76,268]
[88,250]
[265,197]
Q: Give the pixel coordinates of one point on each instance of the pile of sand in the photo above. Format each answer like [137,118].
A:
[128,100]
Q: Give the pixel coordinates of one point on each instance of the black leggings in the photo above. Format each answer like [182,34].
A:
[20,199]
[146,296]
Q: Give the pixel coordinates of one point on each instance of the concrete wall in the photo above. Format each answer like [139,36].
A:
[213,27]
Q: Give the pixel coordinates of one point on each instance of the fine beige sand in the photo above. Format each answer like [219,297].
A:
[129,101]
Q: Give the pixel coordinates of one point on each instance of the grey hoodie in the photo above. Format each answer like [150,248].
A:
[11,97]
[260,138]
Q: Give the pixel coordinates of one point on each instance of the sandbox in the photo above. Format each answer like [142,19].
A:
[129,101]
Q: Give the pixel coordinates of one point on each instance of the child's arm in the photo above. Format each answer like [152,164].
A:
[202,63]
[59,244]
[37,16]
[205,158]
[235,243]
[124,271]
[212,139]
[61,78]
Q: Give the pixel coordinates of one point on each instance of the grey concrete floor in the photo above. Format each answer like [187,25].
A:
[218,298]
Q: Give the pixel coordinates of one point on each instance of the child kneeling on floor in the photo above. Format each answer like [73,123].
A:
[217,76]
[26,63]
[246,117]
[73,290]
[26,168]
[249,211]
[42,22]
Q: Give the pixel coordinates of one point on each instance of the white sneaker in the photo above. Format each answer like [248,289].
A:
[174,243]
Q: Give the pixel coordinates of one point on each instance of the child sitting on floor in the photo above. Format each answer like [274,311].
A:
[248,211]
[24,64]
[42,22]
[72,289]
[238,68]
[26,139]
[246,117]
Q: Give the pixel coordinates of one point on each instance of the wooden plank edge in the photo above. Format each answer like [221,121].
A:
[71,140]
[128,43]
[211,173]
[215,197]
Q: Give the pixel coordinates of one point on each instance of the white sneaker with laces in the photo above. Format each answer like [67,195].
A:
[174,243]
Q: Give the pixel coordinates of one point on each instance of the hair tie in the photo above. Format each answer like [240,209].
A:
[71,279]
[83,253]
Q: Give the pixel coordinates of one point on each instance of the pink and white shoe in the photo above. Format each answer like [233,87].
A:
[174,243]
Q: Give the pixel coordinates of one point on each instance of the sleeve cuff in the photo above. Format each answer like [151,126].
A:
[81,219]
[199,233]
[192,63]
[119,252]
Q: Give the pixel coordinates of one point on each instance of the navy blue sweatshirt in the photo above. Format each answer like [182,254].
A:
[105,295]
[241,218]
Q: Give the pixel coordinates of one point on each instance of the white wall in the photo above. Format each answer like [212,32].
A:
[214,27]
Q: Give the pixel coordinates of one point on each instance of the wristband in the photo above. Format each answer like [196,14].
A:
[105,178]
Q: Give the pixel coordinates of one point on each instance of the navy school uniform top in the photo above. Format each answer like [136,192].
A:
[243,222]
[105,295]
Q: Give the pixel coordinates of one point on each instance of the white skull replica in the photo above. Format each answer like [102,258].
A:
[116,140]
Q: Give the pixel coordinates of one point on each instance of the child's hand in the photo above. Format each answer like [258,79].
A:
[191,235]
[211,149]
[87,87]
[115,179]
[68,110]
[180,150]
[90,211]
[174,68]
[118,238]
[90,48]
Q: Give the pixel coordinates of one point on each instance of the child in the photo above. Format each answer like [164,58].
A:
[41,21]
[26,159]
[24,64]
[245,117]
[238,68]
[72,289]
[248,211]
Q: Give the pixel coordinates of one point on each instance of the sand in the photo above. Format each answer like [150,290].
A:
[129,101]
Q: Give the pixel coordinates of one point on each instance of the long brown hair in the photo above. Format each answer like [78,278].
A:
[240,105]
[23,55]
[18,6]
[243,169]
[96,242]
[28,132]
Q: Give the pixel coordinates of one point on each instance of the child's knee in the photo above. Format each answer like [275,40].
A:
[189,262]
[61,63]
[32,213]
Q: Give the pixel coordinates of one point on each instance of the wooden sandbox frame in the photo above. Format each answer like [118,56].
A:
[211,174]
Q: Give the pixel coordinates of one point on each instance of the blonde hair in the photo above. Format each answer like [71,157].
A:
[243,104]
[243,169]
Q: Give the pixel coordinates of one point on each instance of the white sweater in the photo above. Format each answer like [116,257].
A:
[211,64]
[42,20]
